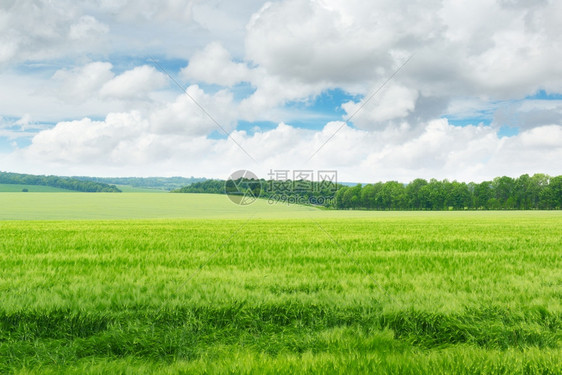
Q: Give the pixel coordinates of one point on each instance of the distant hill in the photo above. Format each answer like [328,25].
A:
[159,183]
[67,183]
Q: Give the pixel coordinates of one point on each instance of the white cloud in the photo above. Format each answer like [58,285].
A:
[37,30]
[95,88]
[214,65]
[89,142]
[184,116]
[272,93]
[394,103]
[469,58]
[146,10]
[130,142]
[86,27]
[136,83]
[319,41]
[81,83]
[9,46]
[468,49]
[441,149]
[529,113]
[544,138]
[24,120]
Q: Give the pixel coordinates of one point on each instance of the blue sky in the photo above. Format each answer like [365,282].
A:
[82,95]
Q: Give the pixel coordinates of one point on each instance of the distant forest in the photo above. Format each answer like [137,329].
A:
[525,192]
[58,182]
[161,183]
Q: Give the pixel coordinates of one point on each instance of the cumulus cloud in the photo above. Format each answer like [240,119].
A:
[214,65]
[127,141]
[394,103]
[136,83]
[62,29]
[86,27]
[184,116]
[529,113]
[81,83]
[87,141]
[440,147]
[471,60]
[146,10]
[37,30]
[273,92]
[96,80]
[475,49]
[543,138]
[318,41]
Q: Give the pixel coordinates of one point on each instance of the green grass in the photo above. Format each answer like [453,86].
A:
[309,292]
[132,189]
[12,188]
[108,206]
[47,206]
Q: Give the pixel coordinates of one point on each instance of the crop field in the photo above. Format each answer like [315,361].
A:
[82,206]
[12,188]
[306,291]
[131,189]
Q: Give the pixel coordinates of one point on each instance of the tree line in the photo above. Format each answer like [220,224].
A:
[162,183]
[58,182]
[204,187]
[525,192]
[290,191]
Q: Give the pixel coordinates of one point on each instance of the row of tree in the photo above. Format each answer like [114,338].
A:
[289,191]
[161,183]
[58,182]
[206,187]
[526,192]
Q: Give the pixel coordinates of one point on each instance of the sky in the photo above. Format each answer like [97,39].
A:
[375,90]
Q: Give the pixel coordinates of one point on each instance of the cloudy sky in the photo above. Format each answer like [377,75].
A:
[92,87]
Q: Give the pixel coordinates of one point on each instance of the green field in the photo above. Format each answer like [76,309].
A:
[12,188]
[277,290]
[132,189]
[45,206]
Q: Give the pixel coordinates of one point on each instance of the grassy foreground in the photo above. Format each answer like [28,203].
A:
[407,293]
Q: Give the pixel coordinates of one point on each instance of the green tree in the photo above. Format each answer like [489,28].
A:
[483,192]
[415,199]
[503,189]
[368,194]
[458,195]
